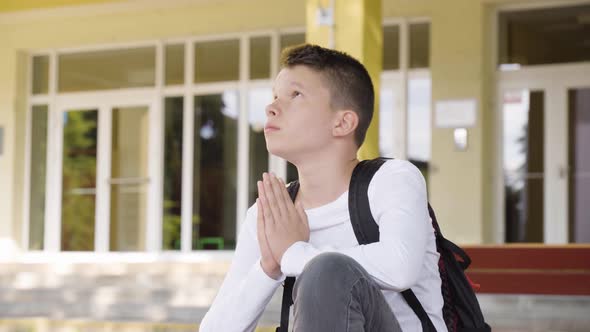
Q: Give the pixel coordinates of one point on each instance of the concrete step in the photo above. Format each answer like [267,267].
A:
[182,292]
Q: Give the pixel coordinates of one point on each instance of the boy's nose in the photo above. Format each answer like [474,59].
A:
[271,109]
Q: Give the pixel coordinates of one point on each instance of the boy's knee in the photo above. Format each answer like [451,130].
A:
[328,268]
[328,278]
[329,262]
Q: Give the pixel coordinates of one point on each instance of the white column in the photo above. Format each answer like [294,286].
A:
[188,120]
[556,177]
[243,137]
[103,174]
[156,159]
[54,163]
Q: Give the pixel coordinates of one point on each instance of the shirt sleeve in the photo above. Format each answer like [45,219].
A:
[246,289]
[397,196]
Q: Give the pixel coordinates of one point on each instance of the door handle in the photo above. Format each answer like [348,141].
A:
[564,171]
[129,181]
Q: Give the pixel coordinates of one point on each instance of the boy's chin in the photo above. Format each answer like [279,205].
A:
[279,151]
[276,151]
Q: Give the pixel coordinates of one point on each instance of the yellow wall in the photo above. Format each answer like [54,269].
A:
[456,64]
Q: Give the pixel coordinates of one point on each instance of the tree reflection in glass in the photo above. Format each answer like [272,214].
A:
[215,171]
[523,146]
[79,180]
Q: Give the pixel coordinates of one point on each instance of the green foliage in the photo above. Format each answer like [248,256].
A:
[79,172]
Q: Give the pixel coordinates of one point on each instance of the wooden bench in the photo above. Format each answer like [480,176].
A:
[530,269]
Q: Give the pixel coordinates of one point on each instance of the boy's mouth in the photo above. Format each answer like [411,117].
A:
[270,128]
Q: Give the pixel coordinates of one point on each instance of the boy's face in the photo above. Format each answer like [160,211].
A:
[299,120]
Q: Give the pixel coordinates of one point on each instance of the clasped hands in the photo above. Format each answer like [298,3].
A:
[280,223]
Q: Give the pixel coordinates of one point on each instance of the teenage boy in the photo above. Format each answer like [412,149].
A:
[323,104]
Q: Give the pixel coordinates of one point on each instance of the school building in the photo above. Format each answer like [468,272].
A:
[131,139]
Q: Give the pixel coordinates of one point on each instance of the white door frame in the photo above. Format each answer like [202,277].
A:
[554,81]
[104,102]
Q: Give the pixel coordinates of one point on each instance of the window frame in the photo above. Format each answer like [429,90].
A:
[398,80]
[154,98]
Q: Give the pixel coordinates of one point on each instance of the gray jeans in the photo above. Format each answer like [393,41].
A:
[335,293]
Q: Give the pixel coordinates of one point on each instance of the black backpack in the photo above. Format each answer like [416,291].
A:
[461,309]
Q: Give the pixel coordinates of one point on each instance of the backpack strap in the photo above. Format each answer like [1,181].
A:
[286,304]
[364,226]
[367,230]
[287,301]
[418,309]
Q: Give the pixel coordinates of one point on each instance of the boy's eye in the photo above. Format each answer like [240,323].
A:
[295,94]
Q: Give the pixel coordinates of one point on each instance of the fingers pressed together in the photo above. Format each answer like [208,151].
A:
[284,223]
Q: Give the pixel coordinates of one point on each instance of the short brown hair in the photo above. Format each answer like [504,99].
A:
[348,80]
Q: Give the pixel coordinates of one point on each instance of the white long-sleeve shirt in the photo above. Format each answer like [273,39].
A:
[405,256]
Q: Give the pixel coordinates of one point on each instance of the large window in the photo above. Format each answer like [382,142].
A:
[137,175]
[405,97]
[106,70]
[544,36]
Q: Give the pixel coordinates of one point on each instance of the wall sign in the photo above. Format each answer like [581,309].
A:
[460,113]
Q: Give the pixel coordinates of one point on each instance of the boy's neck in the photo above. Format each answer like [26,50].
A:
[323,180]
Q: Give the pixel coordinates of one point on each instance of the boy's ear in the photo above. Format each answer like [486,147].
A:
[345,123]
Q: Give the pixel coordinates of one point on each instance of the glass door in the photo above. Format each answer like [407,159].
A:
[102,176]
[78,179]
[579,164]
[523,114]
[129,178]
[545,162]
